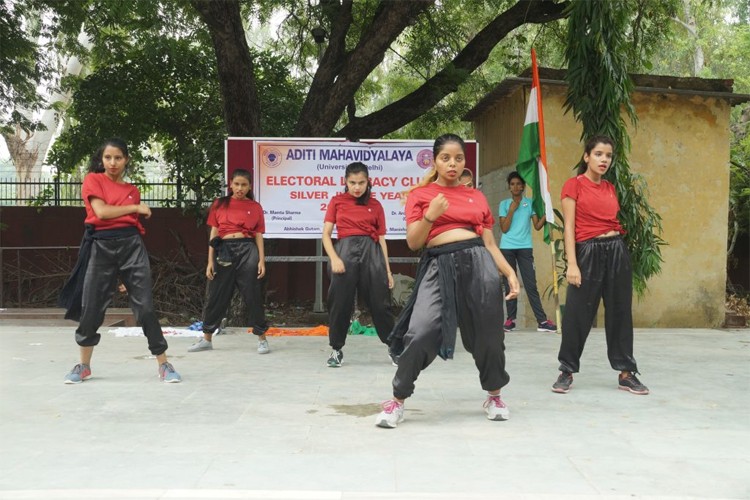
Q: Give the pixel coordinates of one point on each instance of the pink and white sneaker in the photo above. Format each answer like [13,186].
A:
[495,408]
[392,414]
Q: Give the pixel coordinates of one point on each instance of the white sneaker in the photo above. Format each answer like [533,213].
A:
[263,347]
[201,345]
[495,408]
[392,414]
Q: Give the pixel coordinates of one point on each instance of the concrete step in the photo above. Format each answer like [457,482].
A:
[51,316]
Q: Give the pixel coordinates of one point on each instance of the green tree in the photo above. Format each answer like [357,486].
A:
[163,92]
[398,68]
[21,64]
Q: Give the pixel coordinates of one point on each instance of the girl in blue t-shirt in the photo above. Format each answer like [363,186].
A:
[516,216]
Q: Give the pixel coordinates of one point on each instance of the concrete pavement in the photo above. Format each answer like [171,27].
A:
[284,426]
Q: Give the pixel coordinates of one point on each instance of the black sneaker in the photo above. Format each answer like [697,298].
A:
[336,359]
[564,381]
[631,383]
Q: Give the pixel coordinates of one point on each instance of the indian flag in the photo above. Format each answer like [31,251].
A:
[532,159]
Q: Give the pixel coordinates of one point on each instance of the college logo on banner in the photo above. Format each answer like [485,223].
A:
[271,157]
[424,159]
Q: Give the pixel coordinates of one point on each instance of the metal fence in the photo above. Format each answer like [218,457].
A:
[58,192]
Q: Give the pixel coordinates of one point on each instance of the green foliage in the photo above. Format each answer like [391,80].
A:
[739,185]
[599,90]
[722,34]
[23,63]
[151,72]
[162,92]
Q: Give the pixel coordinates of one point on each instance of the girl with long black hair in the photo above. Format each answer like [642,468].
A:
[598,269]
[358,262]
[112,247]
[236,258]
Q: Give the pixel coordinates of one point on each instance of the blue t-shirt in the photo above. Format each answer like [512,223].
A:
[519,234]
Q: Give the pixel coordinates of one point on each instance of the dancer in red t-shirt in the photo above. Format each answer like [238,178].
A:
[236,258]
[112,247]
[358,262]
[598,269]
[458,284]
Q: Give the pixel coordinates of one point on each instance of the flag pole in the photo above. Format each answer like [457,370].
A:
[555,290]
[543,159]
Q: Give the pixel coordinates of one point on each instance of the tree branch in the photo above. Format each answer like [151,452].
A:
[337,80]
[446,81]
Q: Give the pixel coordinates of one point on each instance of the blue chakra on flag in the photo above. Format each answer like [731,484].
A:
[271,157]
[424,159]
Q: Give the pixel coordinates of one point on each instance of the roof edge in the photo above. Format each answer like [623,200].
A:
[707,87]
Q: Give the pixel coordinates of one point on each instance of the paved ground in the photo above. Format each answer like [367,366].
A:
[283,426]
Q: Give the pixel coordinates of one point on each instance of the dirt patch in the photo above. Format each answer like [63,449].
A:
[361,410]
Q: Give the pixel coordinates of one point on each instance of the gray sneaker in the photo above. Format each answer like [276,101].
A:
[168,374]
[201,345]
[336,359]
[263,347]
[563,383]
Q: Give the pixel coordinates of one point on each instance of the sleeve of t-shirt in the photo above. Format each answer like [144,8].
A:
[413,210]
[487,220]
[503,210]
[380,224]
[260,227]
[211,220]
[570,189]
[331,211]
[92,188]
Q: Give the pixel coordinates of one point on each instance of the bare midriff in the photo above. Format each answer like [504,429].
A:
[608,234]
[233,236]
[452,236]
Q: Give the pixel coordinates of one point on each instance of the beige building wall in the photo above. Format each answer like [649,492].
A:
[681,147]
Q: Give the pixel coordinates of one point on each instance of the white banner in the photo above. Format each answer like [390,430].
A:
[295,179]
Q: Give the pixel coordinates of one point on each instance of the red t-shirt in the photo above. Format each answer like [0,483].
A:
[596,207]
[356,220]
[468,208]
[112,193]
[238,216]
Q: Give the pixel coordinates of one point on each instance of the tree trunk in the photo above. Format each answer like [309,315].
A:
[24,157]
[235,66]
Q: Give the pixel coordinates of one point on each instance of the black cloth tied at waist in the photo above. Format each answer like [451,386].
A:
[71,295]
[223,252]
[447,284]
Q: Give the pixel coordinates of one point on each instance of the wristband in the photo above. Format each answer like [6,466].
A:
[428,219]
